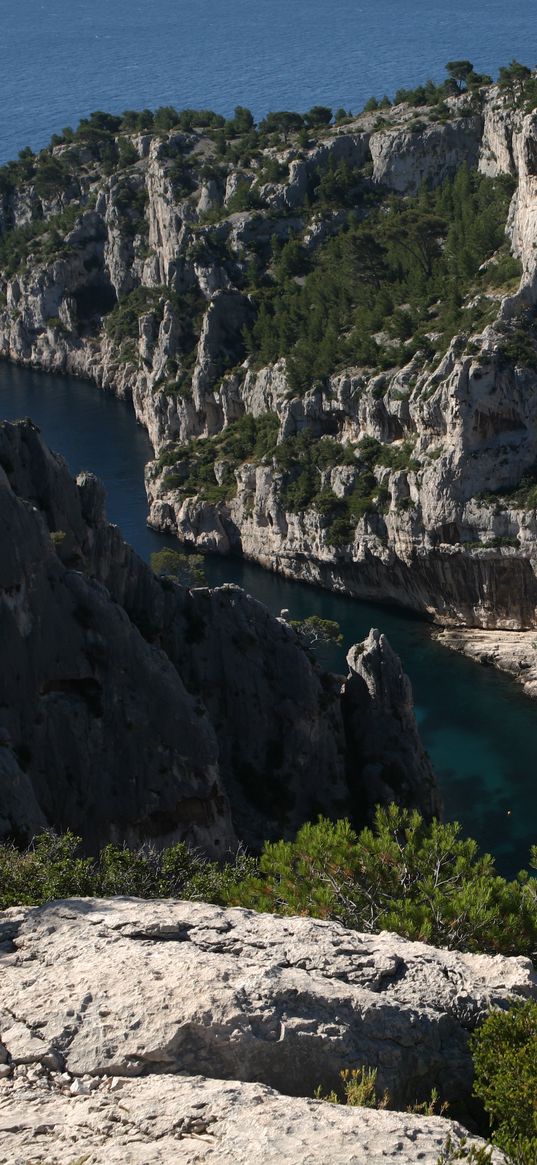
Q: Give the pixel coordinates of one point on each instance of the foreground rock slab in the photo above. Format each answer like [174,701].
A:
[171,1119]
[130,988]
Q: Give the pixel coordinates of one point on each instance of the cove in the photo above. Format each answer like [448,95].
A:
[479,729]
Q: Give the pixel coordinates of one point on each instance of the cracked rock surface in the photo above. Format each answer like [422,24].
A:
[132,989]
[184,1121]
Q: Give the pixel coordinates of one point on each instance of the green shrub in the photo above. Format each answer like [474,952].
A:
[423,881]
[185,569]
[359,1089]
[414,251]
[455,1151]
[248,439]
[50,868]
[505,1062]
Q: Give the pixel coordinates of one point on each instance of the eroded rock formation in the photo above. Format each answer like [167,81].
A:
[438,543]
[133,709]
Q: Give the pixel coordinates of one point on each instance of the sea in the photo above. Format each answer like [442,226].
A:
[61,59]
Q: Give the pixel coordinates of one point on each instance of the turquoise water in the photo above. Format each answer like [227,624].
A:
[480,731]
[63,58]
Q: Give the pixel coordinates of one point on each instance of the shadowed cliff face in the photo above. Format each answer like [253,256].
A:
[146,288]
[132,708]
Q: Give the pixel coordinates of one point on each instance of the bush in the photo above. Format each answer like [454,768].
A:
[50,869]
[248,439]
[505,1064]
[423,881]
[185,569]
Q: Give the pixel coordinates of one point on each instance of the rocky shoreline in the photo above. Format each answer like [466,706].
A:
[512,652]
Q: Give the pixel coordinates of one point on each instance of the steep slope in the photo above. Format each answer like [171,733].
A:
[132,708]
[185,268]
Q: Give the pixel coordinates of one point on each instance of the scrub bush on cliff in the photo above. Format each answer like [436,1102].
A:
[505,1063]
[423,881]
[51,868]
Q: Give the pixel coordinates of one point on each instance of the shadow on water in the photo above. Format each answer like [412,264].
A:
[479,729]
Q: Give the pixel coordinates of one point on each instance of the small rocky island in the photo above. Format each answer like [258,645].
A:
[327,326]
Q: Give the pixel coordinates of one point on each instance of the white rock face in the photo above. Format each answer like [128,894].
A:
[431,543]
[175,987]
[404,160]
[138,1031]
[171,1120]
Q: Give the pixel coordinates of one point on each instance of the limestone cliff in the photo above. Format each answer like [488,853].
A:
[141,280]
[131,708]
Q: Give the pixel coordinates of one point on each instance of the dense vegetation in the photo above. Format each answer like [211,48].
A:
[206,466]
[106,136]
[505,1062]
[390,284]
[423,881]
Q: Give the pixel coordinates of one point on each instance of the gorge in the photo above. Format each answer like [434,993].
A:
[310,346]
[397,505]
[479,730]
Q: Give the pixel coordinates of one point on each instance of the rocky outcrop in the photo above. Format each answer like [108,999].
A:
[515,654]
[405,158]
[172,987]
[99,733]
[181,1120]
[396,764]
[97,1062]
[132,708]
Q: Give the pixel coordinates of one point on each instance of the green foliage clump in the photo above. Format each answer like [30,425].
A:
[122,323]
[43,238]
[248,439]
[51,868]
[454,1151]
[52,177]
[185,569]
[425,253]
[423,881]
[359,1089]
[519,348]
[130,201]
[303,458]
[314,632]
[504,1053]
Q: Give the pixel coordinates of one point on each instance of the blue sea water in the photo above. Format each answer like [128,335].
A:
[63,58]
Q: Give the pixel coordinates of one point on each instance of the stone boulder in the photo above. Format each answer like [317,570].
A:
[171,1120]
[131,988]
